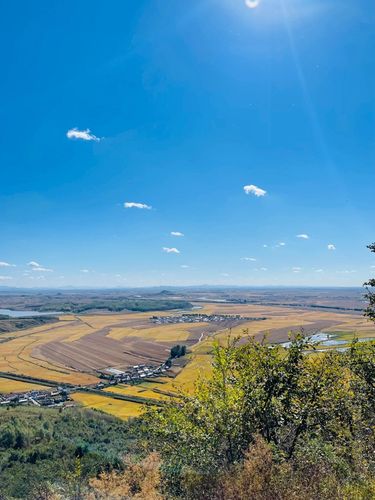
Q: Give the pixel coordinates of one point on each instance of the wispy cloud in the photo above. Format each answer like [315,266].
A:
[170,250]
[225,275]
[347,271]
[5,278]
[255,190]
[251,259]
[84,135]
[35,266]
[132,204]
[296,269]
[6,264]
[264,269]
[303,236]
[280,244]
[176,233]
[84,271]
[331,246]
[185,266]
[319,270]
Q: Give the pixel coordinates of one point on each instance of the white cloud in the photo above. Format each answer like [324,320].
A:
[280,244]
[302,236]
[265,246]
[35,266]
[347,271]
[226,275]
[5,278]
[6,264]
[255,190]
[176,233]
[319,270]
[132,204]
[296,269]
[85,135]
[85,271]
[252,4]
[372,267]
[251,259]
[32,263]
[170,250]
[184,266]
[331,246]
[263,269]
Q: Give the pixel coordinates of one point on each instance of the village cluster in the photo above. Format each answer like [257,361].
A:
[56,397]
[201,318]
[60,395]
[133,374]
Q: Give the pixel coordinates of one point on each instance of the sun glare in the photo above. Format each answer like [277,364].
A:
[252,4]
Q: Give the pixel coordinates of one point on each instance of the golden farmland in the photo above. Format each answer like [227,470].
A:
[72,350]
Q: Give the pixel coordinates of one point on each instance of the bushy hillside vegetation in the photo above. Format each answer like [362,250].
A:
[46,446]
[273,423]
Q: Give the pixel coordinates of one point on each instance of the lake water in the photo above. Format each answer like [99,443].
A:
[25,314]
[326,339]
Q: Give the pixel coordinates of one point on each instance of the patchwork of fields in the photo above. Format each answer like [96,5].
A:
[72,350]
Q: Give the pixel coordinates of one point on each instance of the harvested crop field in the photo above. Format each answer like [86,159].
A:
[8,386]
[71,350]
[120,409]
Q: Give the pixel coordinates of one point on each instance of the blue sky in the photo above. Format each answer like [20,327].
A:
[187,103]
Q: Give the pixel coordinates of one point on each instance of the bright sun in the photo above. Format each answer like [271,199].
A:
[252,4]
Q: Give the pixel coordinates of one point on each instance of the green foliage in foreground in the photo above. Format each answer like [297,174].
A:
[370,295]
[316,413]
[43,445]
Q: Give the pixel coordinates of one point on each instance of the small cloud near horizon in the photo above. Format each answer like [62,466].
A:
[170,250]
[331,246]
[303,236]
[84,135]
[251,259]
[185,266]
[141,206]
[255,190]
[177,233]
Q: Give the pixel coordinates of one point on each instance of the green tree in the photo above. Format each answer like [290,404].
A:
[297,403]
[370,295]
